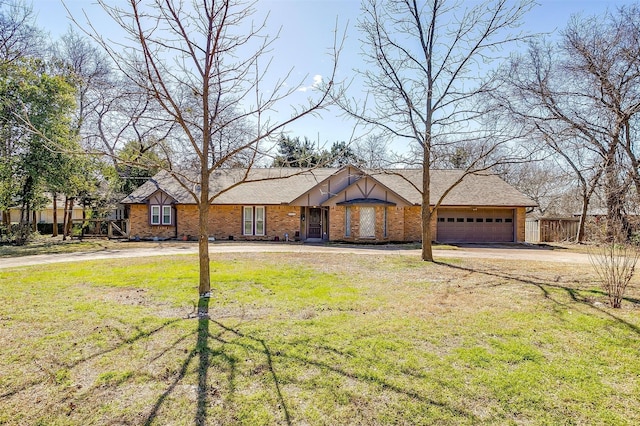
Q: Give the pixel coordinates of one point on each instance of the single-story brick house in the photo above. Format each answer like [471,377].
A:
[331,204]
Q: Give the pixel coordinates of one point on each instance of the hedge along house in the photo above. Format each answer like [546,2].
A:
[329,204]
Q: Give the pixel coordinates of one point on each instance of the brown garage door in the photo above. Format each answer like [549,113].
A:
[475,226]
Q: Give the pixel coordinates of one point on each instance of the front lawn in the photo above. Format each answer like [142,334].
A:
[46,244]
[316,339]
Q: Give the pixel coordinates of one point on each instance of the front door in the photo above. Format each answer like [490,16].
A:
[315,223]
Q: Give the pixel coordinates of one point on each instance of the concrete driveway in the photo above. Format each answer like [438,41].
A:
[514,252]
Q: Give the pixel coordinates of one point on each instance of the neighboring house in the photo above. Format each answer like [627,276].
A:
[345,204]
[45,215]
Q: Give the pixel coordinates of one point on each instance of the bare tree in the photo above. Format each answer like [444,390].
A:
[111,110]
[204,64]
[87,65]
[373,151]
[544,181]
[582,97]
[426,62]
[19,37]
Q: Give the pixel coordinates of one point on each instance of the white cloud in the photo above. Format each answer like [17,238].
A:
[317,81]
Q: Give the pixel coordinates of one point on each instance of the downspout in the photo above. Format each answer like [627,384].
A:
[175,221]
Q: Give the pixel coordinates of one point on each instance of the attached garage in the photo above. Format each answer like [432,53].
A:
[475,225]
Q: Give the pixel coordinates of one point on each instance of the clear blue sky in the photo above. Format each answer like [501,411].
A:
[307,32]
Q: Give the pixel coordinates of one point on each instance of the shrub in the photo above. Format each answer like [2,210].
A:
[615,265]
[18,234]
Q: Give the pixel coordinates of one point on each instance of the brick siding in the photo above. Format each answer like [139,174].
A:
[141,227]
[413,223]
[337,223]
[395,223]
[403,224]
[226,221]
[520,221]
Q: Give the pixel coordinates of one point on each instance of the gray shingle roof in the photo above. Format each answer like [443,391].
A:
[262,186]
[284,185]
[475,190]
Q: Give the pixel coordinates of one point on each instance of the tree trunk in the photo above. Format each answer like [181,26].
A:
[583,219]
[24,213]
[634,170]
[64,218]
[427,252]
[55,215]
[613,197]
[204,288]
[68,216]
[34,224]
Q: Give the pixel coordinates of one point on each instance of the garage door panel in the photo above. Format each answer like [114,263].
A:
[481,225]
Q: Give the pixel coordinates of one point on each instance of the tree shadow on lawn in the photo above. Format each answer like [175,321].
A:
[209,332]
[542,284]
[140,334]
[205,354]
[201,350]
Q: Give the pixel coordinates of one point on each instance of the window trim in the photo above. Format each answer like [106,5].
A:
[385,231]
[250,218]
[158,215]
[347,221]
[369,209]
[262,221]
[168,208]
[247,219]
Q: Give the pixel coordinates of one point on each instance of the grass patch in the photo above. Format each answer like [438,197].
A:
[45,244]
[316,339]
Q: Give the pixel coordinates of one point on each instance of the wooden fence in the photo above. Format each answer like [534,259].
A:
[547,230]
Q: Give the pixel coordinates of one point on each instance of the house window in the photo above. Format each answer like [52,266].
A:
[161,215]
[347,221]
[247,228]
[259,211]
[166,215]
[155,215]
[384,223]
[253,219]
[367,222]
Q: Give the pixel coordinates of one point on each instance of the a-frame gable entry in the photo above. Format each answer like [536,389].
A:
[329,187]
[366,190]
